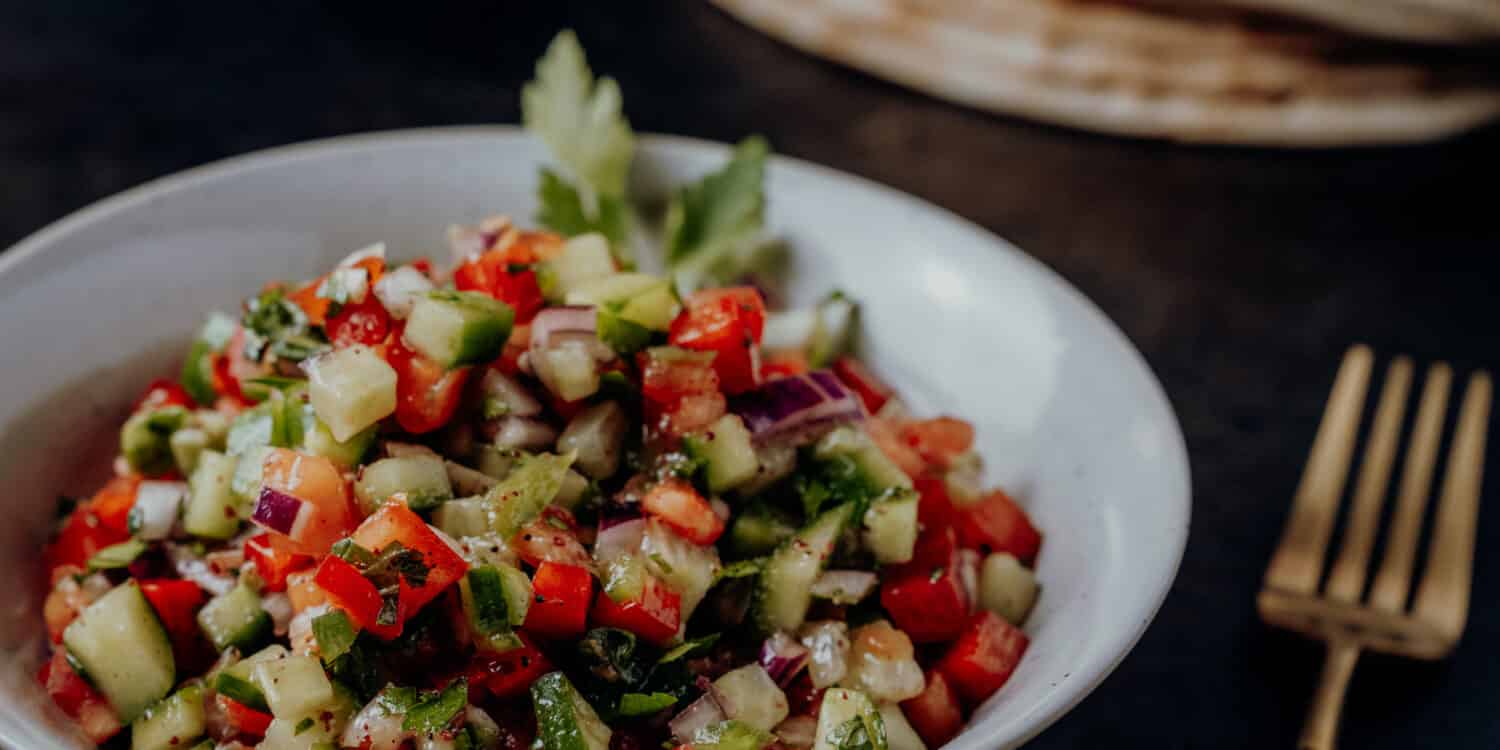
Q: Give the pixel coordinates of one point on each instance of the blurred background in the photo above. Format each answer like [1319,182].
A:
[1193,169]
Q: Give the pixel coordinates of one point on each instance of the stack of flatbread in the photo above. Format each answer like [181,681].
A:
[1255,72]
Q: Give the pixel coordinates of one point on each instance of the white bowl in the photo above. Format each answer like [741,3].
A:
[1069,417]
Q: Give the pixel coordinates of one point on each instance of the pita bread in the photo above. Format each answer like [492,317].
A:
[1424,21]
[1135,71]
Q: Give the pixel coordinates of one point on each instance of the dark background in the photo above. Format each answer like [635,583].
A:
[1241,274]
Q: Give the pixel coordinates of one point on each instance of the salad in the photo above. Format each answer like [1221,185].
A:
[532,496]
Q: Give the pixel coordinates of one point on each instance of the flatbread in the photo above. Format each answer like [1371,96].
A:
[1131,70]
[1423,21]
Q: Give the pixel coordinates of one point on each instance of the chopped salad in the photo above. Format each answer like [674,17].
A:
[530,496]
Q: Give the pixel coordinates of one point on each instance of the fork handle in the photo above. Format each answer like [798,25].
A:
[1321,729]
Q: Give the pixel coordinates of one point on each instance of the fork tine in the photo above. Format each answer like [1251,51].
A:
[1347,580]
[1443,597]
[1394,579]
[1298,562]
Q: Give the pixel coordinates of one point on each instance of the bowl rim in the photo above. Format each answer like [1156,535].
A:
[1050,708]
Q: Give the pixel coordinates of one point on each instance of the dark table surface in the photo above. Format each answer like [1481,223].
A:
[1241,274]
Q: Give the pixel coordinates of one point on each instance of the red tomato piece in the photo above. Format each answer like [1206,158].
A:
[803,698]
[360,323]
[542,541]
[176,602]
[78,699]
[887,436]
[315,480]
[510,674]
[679,506]
[348,590]
[492,273]
[681,390]
[303,589]
[934,507]
[926,597]
[561,607]
[654,616]
[983,658]
[783,364]
[940,440]
[997,524]
[112,503]
[870,389]
[162,393]
[244,718]
[394,522]
[81,536]
[935,713]
[427,395]
[313,306]
[728,322]
[273,564]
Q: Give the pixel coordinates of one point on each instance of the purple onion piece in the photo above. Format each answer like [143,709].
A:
[793,404]
[783,658]
[621,538]
[555,320]
[614,513]
[701,713]
[278,511]
[845,586]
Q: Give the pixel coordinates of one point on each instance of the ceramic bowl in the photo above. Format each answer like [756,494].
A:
[1070,419]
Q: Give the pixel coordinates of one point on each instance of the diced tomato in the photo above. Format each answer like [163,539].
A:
[348,590]
[510,674]
[359,323]
[313,306]
[274,565]
[984,657]
[112,503]
[550,538]
[303,589]
[887,436]
[162,393]
[81,536]
[561,607]
[926,596]
[679,506]
[934,507]
[654,615]
[783,364]
[491,273]
[940,440]
[78,699]
[728,322]
[423,265]
[997,524]
[394,522]
[176,602]
[681,390]
[315,480]
[803,698]
[239,367]
[869,388]
[244,718]
[935,713]
[427,395]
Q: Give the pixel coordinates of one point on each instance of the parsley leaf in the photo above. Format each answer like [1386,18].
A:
[689,648]
[711,224]
[562,211]
[580,118]
[117,555]
[334,633]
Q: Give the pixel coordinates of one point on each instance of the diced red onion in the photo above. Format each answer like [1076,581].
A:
[559,320]
[721,508]
[191,567]
[792,404]
[828,642]
[398,290]
[279,606]
[844,586]
[968,575]
[783,657]
[798,731]
[281,512]
[701,713]
[156,505]
[373,251]
[518,401]
[619,538]
[524,433]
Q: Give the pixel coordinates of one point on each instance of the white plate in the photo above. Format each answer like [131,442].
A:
[1069,416]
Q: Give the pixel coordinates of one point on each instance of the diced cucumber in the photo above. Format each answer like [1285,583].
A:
[350,389]
[496,462]
[595,435]
[689,569]
[1006,587]
[899,733]
[197,374]
[211,511]
[626,337]
[754,697]
[624,578]
[653,309]
[849,719]
[172,722]
[877,471]
[294,686]
[727,452]
[614,289]
[731,735]
[235,619]
[186,445]
[583,258]
[759,530]
[145,439]
[467,482]
[890,531]
[486,595]
[245,484]
[462,517]
[423,480]
[529,487]
[316,438]
[565,721]
[320,730]
[783,591]
[255,427]
[573,490]
[459,328]
[157,507]
[119,645]
[569,371]
[830,338]
[236,680]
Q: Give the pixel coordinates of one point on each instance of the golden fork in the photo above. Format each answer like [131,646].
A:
[1341,615]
